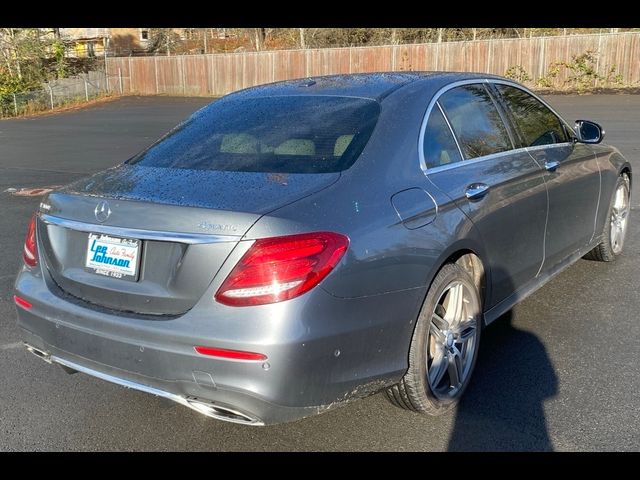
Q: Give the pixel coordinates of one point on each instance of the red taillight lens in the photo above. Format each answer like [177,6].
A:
[281,268]
[30,250]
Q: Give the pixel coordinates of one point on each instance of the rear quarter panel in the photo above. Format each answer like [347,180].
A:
[386,263]
[383,256]
[611,163]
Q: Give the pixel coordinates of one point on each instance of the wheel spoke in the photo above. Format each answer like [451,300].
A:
[436,332]
[463,353]
[619,210]
[454,369]
[615,234]
[439,322]
[438,367]
[455,304]
[466,330]
[619,202]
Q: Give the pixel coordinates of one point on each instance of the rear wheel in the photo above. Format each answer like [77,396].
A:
[444,347]
[615,228]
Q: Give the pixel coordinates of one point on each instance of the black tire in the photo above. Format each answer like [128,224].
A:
[604,252]
[414,392]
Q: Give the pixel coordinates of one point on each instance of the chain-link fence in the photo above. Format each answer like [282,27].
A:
[56,93]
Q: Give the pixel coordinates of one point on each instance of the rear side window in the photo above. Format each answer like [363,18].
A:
[475,121]
[537,124]
[287,134]
[439,145]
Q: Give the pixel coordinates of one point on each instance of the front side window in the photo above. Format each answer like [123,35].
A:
[475,121]
[280,134]
[439,145]
[537,124]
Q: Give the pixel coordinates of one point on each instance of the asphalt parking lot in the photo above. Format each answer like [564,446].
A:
[562,373]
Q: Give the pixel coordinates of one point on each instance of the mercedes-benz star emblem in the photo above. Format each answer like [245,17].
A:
[102,211]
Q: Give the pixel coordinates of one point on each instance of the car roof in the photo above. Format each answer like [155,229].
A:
[367,85]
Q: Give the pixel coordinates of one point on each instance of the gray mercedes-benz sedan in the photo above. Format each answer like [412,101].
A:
[294,246]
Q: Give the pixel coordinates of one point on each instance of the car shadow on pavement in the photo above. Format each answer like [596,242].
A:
[503,407]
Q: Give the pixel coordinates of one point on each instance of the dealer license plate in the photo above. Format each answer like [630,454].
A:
[113,256]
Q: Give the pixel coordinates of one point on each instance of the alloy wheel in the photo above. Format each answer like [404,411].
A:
[451,344]
[619,217]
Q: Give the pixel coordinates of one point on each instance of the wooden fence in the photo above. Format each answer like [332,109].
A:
[219,74]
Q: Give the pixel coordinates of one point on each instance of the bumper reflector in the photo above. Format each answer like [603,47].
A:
[230,354]
[21,302]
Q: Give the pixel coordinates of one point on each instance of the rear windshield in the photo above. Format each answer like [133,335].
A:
[288,134]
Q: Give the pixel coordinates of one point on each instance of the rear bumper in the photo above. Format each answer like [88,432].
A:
[189,381]
[322,351]
[210,409]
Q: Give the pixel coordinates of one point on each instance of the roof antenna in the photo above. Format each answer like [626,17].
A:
[308,83]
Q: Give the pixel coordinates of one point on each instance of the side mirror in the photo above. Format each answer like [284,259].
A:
[589,132]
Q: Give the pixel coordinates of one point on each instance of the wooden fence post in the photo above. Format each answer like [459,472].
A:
[50,95]
[155,69]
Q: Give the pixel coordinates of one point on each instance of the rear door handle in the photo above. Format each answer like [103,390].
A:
[476,191]
[551,165]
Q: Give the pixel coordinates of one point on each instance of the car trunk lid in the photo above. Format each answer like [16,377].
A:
[185,223]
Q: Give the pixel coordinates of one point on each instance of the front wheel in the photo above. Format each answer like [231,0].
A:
[615,228]
[444,347]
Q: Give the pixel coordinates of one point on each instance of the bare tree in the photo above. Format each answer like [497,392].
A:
[205,35]
[303,44]
[163,40]
[259,38]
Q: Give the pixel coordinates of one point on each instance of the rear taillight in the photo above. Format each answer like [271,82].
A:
[30,250]
[281,268]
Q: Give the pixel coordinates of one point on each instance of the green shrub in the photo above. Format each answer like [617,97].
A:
[581,73]
[517,73]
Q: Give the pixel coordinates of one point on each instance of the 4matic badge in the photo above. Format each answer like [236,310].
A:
[217,227]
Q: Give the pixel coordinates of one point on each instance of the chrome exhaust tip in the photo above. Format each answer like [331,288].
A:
[222,413]
[46,356]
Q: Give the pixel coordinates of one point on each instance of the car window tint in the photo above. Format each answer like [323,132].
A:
[537,124]
[439,145]
[279,134]
[475,121]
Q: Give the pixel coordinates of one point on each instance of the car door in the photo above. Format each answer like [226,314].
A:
[571,173]
[500,188]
